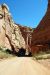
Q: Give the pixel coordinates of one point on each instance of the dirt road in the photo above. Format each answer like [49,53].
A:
[22,66]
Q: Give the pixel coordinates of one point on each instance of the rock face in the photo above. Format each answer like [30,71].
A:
[27,34]
[10,34]
[14,37]
[41,35]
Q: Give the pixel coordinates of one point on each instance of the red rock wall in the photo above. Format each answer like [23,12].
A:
[41,34]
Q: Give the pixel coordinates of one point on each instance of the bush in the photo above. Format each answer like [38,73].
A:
[3,55]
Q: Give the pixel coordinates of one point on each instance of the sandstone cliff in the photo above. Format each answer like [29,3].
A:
[10,34]
[41,35]
[14,36]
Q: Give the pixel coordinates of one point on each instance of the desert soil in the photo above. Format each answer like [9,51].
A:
[22,66]
[45,62]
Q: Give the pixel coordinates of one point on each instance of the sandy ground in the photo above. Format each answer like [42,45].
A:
[22,66]
[45,62]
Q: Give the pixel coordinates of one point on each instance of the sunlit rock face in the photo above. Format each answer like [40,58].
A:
[17,37]
[41,35]
[2,26]
[10,34]
[14,36]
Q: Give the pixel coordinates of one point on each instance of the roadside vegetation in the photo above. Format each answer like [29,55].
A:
[42,55]
[4,54]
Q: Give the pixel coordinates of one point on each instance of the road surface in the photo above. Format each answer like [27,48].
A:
[22,66]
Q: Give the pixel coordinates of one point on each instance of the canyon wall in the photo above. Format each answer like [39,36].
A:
[14,36]
[10,34]
[41,35]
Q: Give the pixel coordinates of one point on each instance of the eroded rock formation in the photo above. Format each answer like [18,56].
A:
[10,34]
[13,36]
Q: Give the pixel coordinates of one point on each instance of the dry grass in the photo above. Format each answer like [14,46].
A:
[42,55]
[4,55]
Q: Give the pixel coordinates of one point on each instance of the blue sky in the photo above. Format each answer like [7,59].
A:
[27,12]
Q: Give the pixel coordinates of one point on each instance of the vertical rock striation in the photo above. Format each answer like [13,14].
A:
[10,34]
